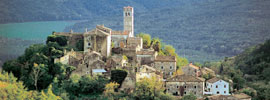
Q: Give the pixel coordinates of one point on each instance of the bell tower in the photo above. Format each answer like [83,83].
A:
[129,20]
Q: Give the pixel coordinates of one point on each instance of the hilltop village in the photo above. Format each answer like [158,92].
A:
[105,49]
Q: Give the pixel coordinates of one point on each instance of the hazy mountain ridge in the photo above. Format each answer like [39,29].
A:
[201,31]
[47,10]
[12,48]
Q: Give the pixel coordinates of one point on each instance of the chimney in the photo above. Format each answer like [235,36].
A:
[86,30]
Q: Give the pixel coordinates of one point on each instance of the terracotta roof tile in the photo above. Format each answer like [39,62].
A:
[165,59]
[193,66]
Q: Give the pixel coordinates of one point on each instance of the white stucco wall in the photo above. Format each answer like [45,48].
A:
[219,86]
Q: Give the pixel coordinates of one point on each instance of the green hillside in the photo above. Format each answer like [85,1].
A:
[249,71]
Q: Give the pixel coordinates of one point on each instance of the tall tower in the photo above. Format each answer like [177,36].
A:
[129,20]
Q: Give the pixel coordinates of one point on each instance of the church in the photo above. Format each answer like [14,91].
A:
[101,38]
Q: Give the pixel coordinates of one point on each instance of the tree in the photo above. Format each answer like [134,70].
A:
[189,97]
[118,76]
[61,40]
[10,89]
[146,39]
[181,61]
[110,90]
[178,72]
[38,71]
[80,45]
[156,43]
[48,95]
[149,89]
[169,50]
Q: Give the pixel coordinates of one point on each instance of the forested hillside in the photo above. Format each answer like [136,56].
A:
[249,71]
[201,30]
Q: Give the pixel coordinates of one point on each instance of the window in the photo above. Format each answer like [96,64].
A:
[185,86]
[161,67]
[217,92]
[170,73]
[216,86]
[224,92]
[195,87]
[194,92]
[224,86]
[176,86]
[171,67]
[168,89]
[211,85]
[89,44]
[185,92]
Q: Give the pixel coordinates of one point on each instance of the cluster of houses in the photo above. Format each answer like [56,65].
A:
[99,58]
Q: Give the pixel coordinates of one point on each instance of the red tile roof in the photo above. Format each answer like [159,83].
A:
[193,66]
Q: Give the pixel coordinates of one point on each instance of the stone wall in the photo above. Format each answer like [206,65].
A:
[168,68]
[185,88]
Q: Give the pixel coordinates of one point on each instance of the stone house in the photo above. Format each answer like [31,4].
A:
[72,37]
[119,38]
[99,40]
[217,86]
[134,42]
[89,62]
[146,57]
[191,69]
[166,64]
[181,85]
[72,58]
[117,61]
[145,71]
